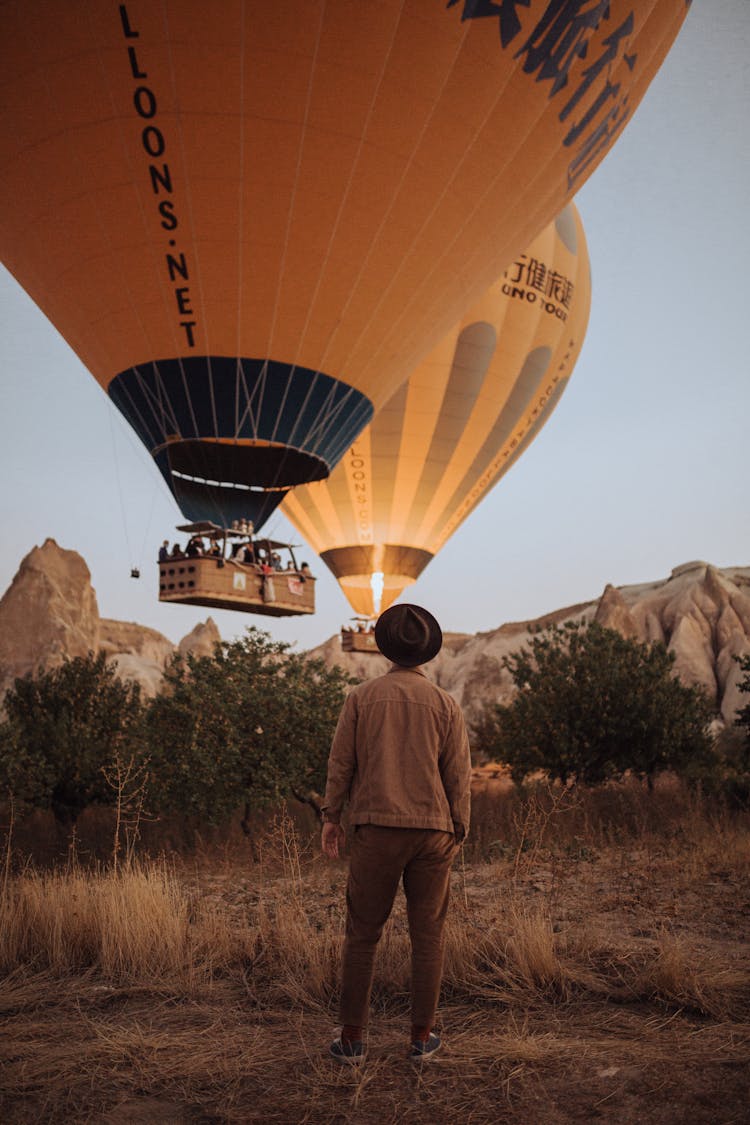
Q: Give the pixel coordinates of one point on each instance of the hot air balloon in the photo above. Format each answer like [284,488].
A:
[252,221]
[461,420]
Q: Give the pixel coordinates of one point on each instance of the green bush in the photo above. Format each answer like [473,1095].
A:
[742,719]
[592,705]
[253,723]
[62,730]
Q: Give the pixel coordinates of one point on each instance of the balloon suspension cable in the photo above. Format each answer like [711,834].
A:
[134,572]
[147,530]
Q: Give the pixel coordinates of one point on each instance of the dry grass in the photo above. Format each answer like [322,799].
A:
[129,926]
[585,979]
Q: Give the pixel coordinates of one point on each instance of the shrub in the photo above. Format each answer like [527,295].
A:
[253,723]
[592,705]
[62,727]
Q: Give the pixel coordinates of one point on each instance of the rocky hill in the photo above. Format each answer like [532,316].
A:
[700,612]
[49,613]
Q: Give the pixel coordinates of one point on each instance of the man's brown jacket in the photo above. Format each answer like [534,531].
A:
[400,756]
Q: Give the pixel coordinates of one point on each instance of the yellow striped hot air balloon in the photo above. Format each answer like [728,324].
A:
[251,221]
[447,436]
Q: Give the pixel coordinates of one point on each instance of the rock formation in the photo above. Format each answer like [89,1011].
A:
[117,637]
[137,652]
[700,612]
[202,640]
[49,613]
[612,613]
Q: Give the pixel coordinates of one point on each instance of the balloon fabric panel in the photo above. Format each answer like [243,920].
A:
[206,200]
[466,414]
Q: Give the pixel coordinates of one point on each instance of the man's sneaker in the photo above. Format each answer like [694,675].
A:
[345,1052]
[424,1049]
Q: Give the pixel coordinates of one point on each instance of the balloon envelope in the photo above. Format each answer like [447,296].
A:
[252,221]
[462,419]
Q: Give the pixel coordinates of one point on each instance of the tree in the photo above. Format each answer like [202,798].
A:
[592,704]
[62,728]
[253,723]
[742,718]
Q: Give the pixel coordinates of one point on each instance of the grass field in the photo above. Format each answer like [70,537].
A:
[597,969]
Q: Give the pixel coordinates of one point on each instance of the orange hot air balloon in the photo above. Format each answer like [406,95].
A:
[252,221]
[458,424]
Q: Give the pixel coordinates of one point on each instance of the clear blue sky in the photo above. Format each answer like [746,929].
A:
[643,466]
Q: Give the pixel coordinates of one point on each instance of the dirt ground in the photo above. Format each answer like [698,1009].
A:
[583,984]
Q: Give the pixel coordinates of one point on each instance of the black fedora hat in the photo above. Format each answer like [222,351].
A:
[408,635]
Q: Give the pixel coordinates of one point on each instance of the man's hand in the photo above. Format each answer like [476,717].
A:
[331,838]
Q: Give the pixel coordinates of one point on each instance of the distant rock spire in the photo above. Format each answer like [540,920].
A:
[201,640]
[613,613]
[49,613]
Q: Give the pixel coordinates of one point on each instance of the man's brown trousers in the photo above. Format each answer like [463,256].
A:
[379,858]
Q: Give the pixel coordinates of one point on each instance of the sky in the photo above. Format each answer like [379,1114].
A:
[643,466]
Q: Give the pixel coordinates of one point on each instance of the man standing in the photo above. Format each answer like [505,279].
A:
[400,756]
